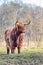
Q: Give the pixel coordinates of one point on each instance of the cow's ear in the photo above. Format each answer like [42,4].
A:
[16,27]
[6,31]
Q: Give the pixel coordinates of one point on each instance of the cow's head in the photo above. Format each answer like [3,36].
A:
[20,27]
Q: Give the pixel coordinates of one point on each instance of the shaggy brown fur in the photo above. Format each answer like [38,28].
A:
[14,38]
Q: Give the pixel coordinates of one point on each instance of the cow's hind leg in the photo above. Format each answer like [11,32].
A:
[7,50]
[18,50]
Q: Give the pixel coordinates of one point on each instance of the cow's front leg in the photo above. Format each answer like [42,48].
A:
[12,50]
[18,50]
[7,50]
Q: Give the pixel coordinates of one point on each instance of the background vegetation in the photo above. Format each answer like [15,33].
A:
[9,13]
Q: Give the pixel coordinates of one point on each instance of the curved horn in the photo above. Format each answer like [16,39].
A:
[16,22]
[27,23]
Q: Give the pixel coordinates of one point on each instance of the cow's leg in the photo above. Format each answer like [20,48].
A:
[18,50]
[7,50]
[12,50]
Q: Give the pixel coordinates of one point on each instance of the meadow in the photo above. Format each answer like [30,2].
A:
[33,56]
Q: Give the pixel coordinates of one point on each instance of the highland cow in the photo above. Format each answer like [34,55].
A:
[14,37]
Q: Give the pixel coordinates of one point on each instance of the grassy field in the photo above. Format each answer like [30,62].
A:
[33,56]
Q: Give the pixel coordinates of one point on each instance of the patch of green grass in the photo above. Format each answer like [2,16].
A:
[26,57]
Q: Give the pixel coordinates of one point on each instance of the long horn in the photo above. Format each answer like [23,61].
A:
[16,22]
[27,23]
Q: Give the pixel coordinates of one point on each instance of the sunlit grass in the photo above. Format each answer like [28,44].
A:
[23,49]
[27,56]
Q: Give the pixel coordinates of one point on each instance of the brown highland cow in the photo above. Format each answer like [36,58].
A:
[14,37]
